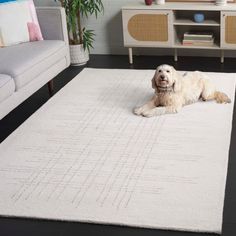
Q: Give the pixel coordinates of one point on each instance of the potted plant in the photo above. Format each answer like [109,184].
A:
[80,38]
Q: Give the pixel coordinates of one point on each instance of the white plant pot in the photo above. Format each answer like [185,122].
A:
[78,55]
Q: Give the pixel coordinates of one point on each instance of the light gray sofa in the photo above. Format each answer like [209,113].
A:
[26,67]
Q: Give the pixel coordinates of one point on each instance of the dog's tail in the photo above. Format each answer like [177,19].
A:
[221,97]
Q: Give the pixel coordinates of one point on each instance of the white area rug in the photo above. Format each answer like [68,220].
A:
[85,157]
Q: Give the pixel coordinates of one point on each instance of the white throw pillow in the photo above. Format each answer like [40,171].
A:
[13,22]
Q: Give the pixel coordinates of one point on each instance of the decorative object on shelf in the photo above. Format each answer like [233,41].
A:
[199,17]
[160,2]
[80,39]
[148,2]
[204,39]
[220,2]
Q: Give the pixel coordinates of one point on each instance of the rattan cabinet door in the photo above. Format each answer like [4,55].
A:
[147,28]
[228,29]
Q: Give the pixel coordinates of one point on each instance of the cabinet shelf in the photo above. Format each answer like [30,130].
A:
[165,26]
[191,22]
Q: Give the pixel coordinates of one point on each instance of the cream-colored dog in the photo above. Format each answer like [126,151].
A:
[173,91]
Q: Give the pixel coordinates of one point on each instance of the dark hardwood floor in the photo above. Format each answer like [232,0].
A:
[33,227]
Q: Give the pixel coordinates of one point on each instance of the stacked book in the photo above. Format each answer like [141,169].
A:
[198,39]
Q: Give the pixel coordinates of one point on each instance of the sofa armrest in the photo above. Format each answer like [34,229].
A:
[52,21]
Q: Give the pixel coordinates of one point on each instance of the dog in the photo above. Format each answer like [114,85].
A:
[174,90]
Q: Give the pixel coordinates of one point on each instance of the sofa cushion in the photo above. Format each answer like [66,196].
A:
[24,62]
[13,22]
[7,87]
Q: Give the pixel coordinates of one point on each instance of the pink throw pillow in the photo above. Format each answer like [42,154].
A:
[35,33]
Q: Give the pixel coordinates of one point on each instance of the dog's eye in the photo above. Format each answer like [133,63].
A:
[168,71]
[159,71]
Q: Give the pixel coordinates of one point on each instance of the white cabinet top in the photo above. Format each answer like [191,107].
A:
[181,6]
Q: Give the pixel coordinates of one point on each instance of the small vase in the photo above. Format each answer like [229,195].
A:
[78,55]
[148,2]
[198,17]
[220,2]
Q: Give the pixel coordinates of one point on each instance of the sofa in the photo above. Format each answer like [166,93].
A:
[26,67]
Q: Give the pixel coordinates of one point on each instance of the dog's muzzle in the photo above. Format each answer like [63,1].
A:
[163,78]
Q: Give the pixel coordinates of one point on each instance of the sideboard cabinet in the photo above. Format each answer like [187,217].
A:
[163,26]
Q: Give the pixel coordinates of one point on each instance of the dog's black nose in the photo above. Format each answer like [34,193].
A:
[162,77]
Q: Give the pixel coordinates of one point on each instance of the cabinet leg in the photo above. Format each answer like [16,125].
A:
[130,56]
[176,55]
[222,56]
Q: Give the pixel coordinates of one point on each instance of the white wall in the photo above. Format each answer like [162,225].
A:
[108,26]
[46,3]
[109,37]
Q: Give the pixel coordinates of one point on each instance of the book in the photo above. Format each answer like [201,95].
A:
[197,38]
[206,43]
[198,35]
[198,42]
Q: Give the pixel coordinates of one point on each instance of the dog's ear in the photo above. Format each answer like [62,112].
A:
[154,86]
[177,80]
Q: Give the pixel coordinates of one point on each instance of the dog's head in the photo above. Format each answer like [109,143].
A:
[166,78]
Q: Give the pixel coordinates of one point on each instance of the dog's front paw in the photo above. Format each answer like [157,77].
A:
[138,111]
[148,114]
[158,111]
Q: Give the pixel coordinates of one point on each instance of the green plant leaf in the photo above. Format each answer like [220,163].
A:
[88,38]
[81,8]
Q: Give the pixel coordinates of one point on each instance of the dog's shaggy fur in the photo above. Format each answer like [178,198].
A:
[173,91]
